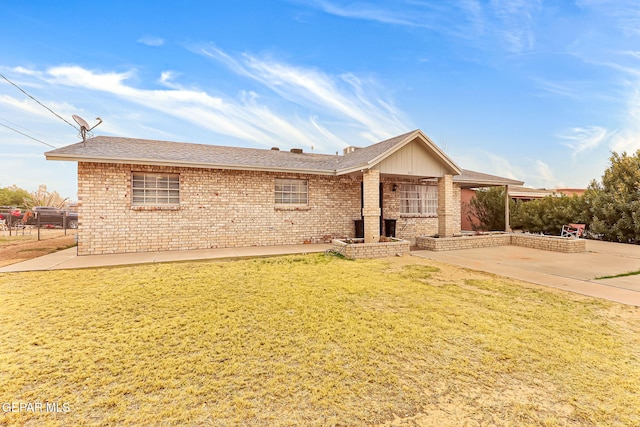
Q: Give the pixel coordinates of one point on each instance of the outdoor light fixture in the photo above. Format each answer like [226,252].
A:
[394,187]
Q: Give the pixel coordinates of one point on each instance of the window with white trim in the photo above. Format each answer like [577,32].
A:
[155,189]
[291,191]
[418,199]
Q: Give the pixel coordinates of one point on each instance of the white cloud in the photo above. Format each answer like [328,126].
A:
[583,139]
[474,13]
[369,12]
[545,176]
[487,162]
[517,19]
[151,41]
[354,100]
[511,21]
[167,79]
[625,14]
[555,88]
[330,103]
[627,140]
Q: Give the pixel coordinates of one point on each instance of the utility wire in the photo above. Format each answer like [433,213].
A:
[28,136]
[18,126]
[52,112]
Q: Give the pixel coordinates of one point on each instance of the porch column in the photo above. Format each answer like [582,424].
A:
[446,206]
[371,209]
[507,225]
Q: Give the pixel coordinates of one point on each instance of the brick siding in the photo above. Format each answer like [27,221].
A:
[410,226]
[218,208]
[225,208]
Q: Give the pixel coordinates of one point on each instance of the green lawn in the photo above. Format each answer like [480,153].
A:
[312,340]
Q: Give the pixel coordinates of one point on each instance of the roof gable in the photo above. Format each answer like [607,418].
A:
[410,154]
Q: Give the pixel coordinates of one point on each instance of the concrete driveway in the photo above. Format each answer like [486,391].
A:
[571,272]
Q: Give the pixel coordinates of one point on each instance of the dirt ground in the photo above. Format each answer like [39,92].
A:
[25,245]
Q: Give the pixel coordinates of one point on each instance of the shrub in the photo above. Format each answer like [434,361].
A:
[549,214]
[615,203]
[488,207]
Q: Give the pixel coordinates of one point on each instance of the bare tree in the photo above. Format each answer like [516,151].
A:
[43,197]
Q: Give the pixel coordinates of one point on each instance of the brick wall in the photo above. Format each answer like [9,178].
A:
[410,226]
[372,250]
[218,208]
[466,242]
[546,243]
[221,208]
[550,243]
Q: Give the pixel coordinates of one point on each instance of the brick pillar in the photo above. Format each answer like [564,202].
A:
[446,207]
[371,209]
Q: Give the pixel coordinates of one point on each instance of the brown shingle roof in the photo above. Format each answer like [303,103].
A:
[362,156]
[471,179]
[145,151]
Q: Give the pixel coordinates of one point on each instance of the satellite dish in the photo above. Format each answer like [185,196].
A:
[80,121]
[84,126]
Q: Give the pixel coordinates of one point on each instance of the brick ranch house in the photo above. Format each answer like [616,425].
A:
[140,195]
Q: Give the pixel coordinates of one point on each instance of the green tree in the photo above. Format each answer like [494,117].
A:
[13,196]
[488,207]
[615,203]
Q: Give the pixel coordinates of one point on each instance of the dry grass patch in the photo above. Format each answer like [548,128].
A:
[312,340]
[24,245]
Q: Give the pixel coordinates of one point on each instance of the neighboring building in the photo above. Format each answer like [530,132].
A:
[571,191]
[525,194]
[140,195]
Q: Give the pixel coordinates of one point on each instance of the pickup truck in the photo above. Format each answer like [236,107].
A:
[48,216]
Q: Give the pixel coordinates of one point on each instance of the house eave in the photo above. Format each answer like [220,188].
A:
[187,164]
[485,183]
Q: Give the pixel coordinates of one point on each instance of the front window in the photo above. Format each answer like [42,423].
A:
[291,191]
[156,189]
[418,199]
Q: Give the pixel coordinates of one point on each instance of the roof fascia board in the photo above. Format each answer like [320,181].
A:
[487,182]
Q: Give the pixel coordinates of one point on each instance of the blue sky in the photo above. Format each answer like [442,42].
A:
[533,90]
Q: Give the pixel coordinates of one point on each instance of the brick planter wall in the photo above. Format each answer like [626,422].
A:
[546,243]
[463,242]
[549,243]
[372,250]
